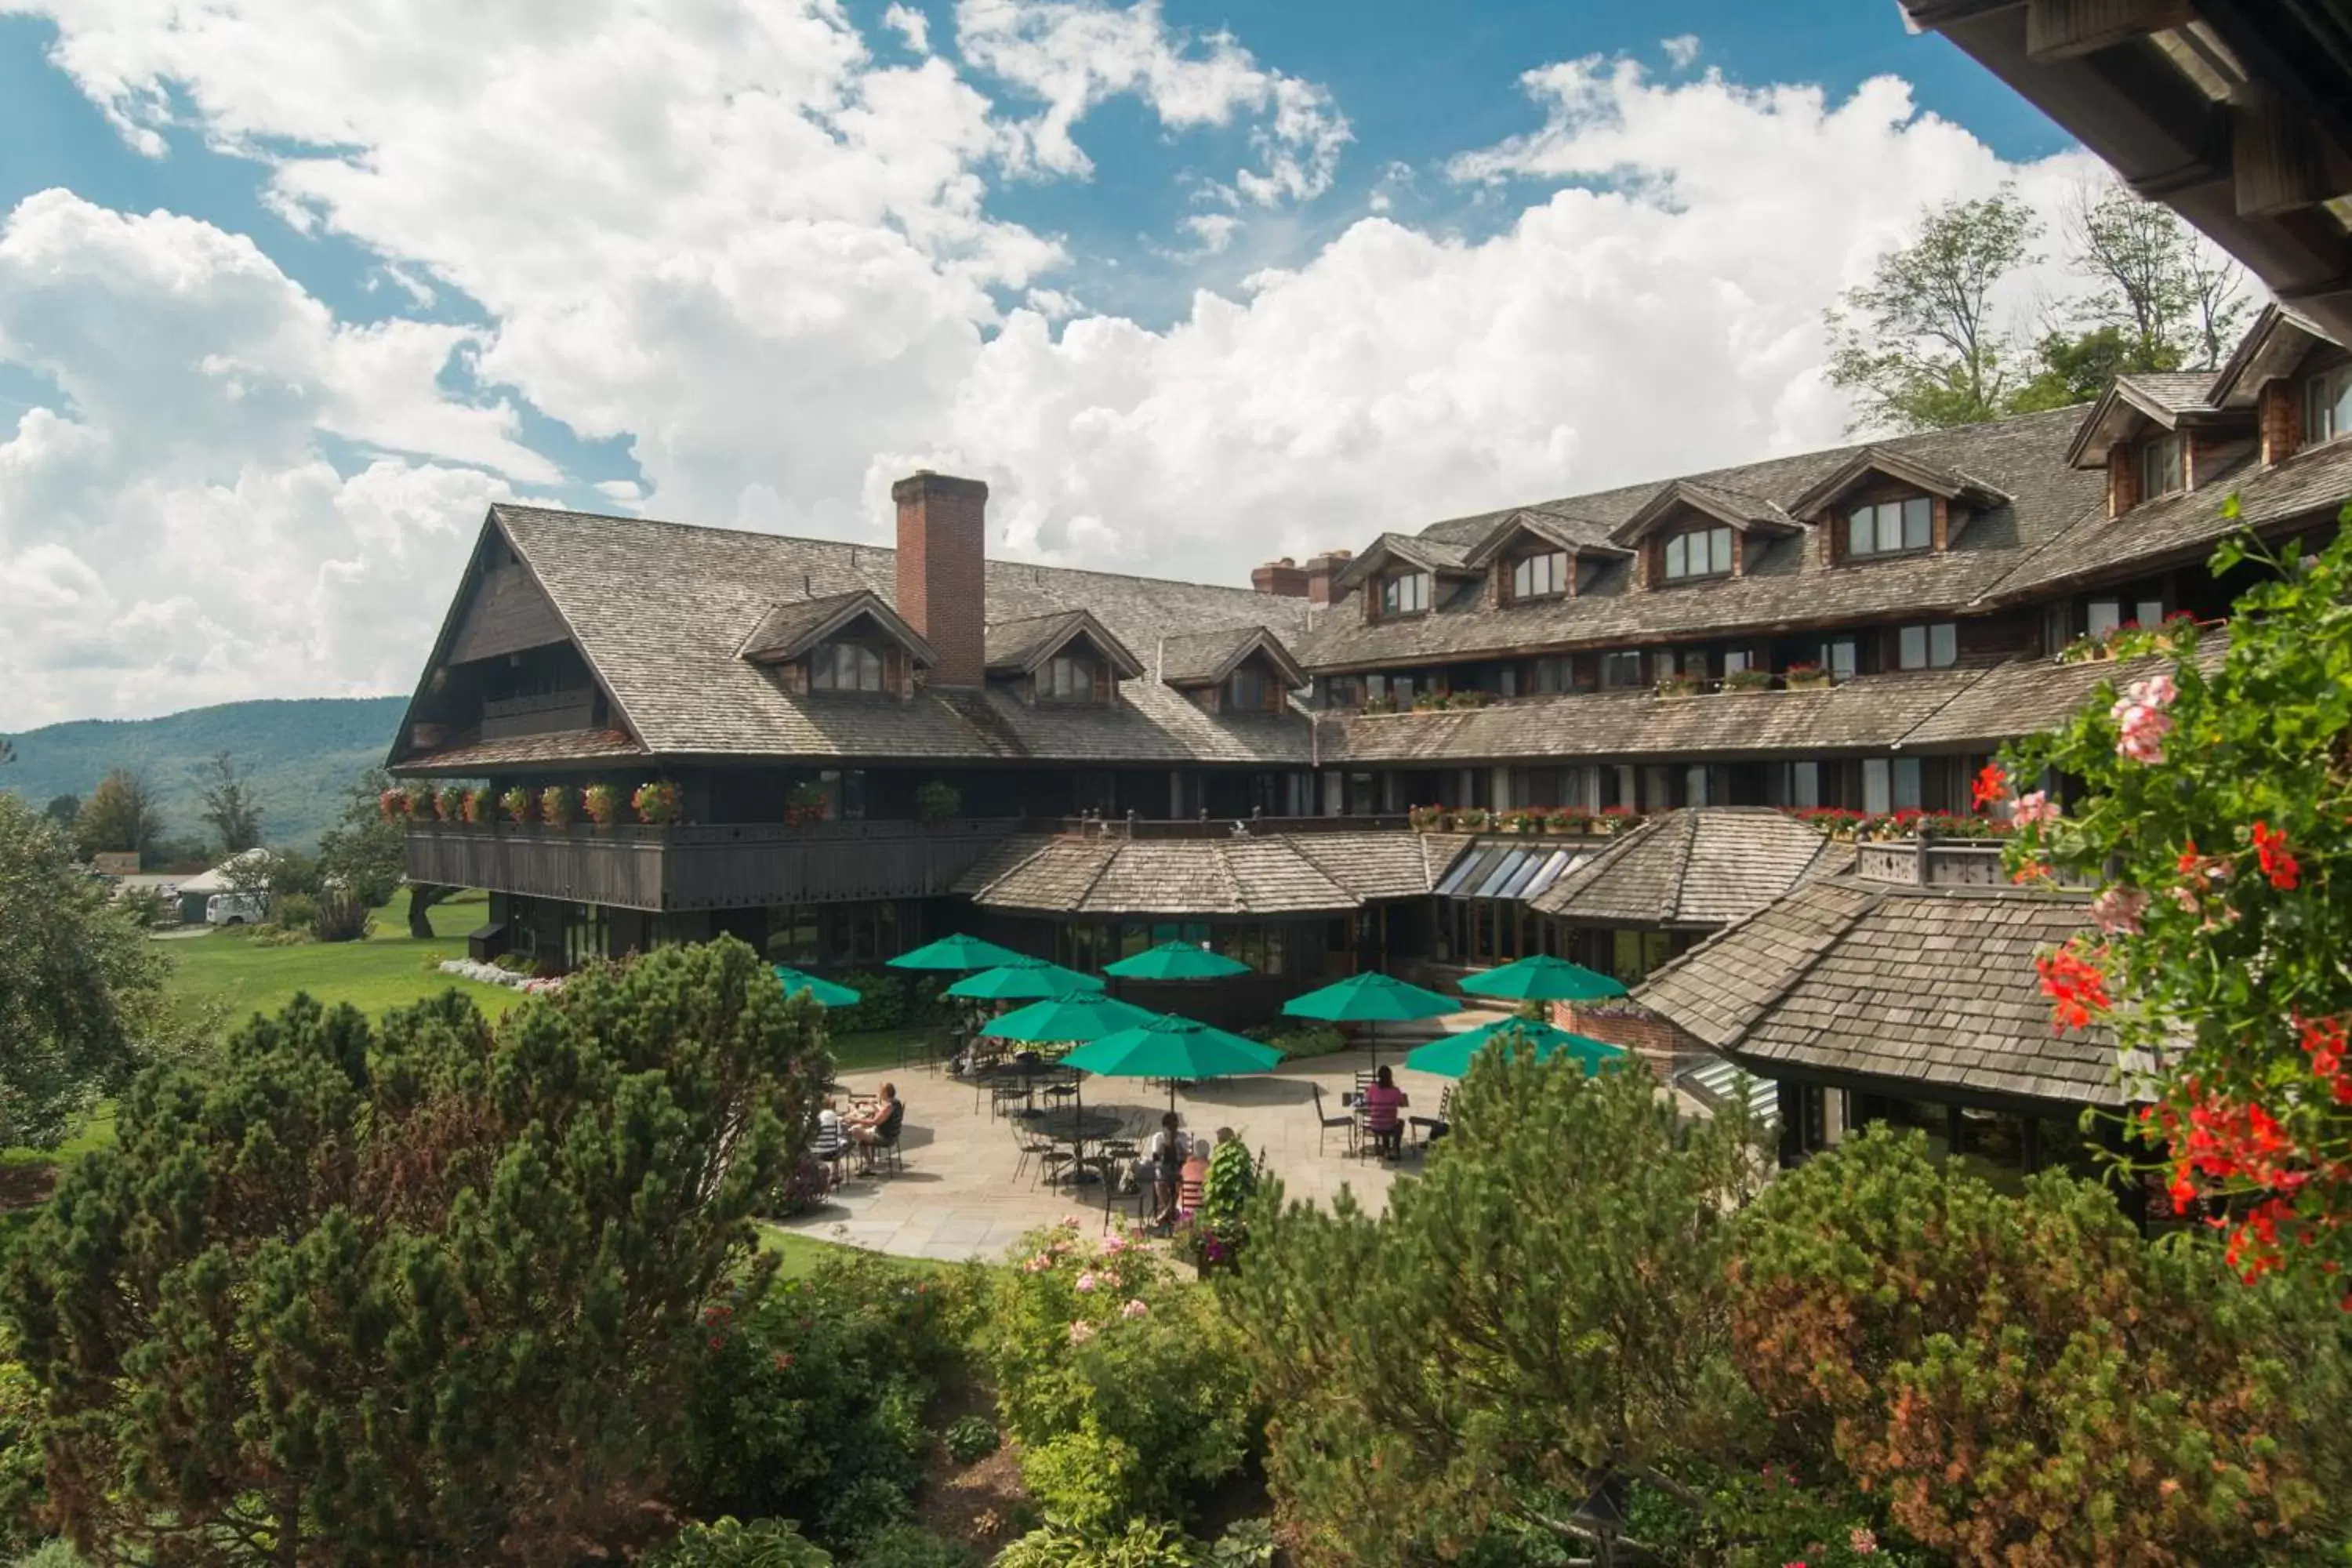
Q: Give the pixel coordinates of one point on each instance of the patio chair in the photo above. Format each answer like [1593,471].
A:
[1003,1097]
[1432,1128]
[1325,1122]
[1033,1146]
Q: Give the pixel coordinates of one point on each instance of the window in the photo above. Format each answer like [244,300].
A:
[1406,595]
[1694,785]
[1552,676]
[2103,615]
[1401,688]
[1620,670]
[1703,552]
[1890,785]
[1738,660]
[1891,527]
[2327,406]
[1934,646]
[1540,576]
[845,667]
[1798,784]
[1245,690]
[1839,657]
[1506,679]
[1069,678]
[2160,471]
[1342,692]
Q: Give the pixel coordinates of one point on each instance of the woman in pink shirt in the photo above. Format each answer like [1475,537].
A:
[1384,1101]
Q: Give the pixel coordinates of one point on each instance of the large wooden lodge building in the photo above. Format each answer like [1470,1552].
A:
[874,746]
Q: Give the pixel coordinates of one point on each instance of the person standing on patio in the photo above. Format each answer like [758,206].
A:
[1165,1154]
[1383,1105]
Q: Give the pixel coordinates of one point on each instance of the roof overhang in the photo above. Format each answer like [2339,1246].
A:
[1537,528]
[1945,484]
[1260,641]
[1400,548]
[1676,496]
[1076,623]
[789,630]
[2271,348]
[2118,414]
[2235,113]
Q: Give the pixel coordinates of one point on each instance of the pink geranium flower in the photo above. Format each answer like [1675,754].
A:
[1135,1308]
[2035,807]
[1086,1281]
[2118,911]
[1081,1331]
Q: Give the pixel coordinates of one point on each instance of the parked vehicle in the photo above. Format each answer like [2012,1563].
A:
[236,909]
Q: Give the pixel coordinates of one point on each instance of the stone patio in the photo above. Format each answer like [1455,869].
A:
[957,1198]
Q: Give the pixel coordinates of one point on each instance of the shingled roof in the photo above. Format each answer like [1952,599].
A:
[1240,875]
[1204,658]
[661,611]
[1930,986]
[1019,647]
[1700,866]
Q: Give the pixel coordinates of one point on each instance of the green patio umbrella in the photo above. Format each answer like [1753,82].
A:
[1543,978]
[955,953]
[1451,1057]
[1370,998]
[827,993]
[1022,980]
[1173,1048]
[1177,961]
[1076,1015]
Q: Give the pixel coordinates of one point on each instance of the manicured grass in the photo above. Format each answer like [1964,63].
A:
[875,1048]
[802,1254]
[387,969]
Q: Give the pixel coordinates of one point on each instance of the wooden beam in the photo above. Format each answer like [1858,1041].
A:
[2274,156]
[2061,29]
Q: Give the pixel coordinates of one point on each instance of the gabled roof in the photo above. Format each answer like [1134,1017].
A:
[1748,513]
[789,630]
[1577,536]
[1934,478]
[2164,398]
[1703,865]
[1413,549]
[1021,645]
[1205,658]
[2279,337]
[1930,986]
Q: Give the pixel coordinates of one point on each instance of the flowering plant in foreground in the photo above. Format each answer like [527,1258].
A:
[2216,805]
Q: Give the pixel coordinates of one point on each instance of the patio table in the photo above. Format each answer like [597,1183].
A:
[1079,1128]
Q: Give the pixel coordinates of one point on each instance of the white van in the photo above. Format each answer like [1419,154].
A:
[236,909]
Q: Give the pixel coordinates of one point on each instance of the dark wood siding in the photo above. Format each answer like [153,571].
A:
[507,613]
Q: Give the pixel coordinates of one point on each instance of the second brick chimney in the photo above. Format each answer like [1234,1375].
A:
[942,571]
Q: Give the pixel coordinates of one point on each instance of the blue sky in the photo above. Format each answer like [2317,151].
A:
[1190,285]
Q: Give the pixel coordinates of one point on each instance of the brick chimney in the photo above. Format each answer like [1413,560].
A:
[1319,571]
[1282,578]
[942,572]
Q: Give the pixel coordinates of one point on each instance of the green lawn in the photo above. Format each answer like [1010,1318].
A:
[388,969]
[802,1254]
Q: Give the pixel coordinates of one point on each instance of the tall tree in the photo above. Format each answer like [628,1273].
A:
[62,810]
[229,807]
[81,989]
[422,1291]
[2153,279]
[1539,1318]
[1920,345]
[119,817]
[367,852]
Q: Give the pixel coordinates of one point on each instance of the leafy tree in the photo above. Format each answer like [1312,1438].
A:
[62,810]
[1542,1315]
[416,1291]
[2025,1380]
[367,852]
[2214,799]
[229,807]
[2169,297]
[119,817]
[2077,368]
[1919,344]
[81,989]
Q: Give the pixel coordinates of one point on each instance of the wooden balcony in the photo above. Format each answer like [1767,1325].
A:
[705,867]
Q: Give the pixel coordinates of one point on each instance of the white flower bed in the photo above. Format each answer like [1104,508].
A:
[491,975]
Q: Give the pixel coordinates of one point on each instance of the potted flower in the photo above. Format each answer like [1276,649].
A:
[516,802]
[938,802]
[604,804]
[449,804]
[1428,818]
[1748,680]
[804,803]
[1677,686]
[479,807]
[420,802]
[1475,819]
[657,802]
[558,804]
[1806,677]
[1470,699]
[394,805]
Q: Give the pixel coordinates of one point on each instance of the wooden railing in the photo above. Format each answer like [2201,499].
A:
[706,866]
[1932,863]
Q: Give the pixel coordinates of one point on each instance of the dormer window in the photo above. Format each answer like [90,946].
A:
[2327,406]
[1068,677]
[2160,468]
[845,667]
[1544,576]
[1406,593]
[1247,691]
[1701,552]
[1890,526]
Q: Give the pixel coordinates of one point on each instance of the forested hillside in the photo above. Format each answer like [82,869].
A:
[300,756]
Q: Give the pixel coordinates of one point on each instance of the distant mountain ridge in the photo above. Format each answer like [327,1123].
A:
[300,754]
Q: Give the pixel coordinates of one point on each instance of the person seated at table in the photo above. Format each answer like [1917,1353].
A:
[1165,1154]
[1382,1102]
[876,1126]
[830,1133]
